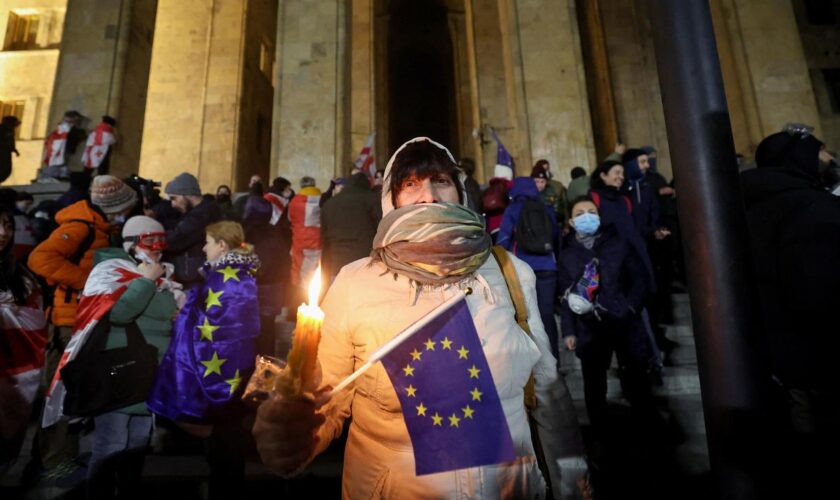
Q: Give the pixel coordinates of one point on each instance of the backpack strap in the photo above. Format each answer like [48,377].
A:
[521,315]
[629,205]
[596,198]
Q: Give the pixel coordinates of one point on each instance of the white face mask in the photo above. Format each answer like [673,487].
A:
[142,256]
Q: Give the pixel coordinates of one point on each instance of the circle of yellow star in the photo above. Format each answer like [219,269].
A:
[212,299]
[214,365]
[415,355]
[462,353]
[468,412]
[437,419]
[421,410]
[229,273]
[411,390]
[473,371]
[234,382]
[476,394]
[207,330]
[430,345]
[409,370]
[453,420]
[446,343]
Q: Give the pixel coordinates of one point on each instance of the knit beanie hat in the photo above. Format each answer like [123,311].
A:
[137,226]
[631,154]
[184,184]
[111,194]
[538,172]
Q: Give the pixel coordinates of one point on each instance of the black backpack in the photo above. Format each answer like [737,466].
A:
[534,231]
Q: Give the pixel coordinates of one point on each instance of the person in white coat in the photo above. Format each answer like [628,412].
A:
[373,299]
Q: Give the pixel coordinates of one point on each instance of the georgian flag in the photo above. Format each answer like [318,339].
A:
[56,144]
[24,336]
[366,162]
[97,145]
[105,285]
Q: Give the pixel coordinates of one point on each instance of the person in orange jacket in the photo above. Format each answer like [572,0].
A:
[305,219]
[64,260]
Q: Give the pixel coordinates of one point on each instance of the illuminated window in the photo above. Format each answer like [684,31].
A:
[22,32]
[267,60]
[13,108]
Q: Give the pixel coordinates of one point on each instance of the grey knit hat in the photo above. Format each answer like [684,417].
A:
[111,194]
[184,184]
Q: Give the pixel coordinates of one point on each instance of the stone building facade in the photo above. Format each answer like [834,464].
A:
[229,88]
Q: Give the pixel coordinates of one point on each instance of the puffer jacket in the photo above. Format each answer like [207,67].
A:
[51,259]
[524,188]
[364,308]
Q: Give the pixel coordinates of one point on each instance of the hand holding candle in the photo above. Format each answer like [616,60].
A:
[300,372]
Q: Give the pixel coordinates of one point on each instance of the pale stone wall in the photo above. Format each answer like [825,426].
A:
[28,76]
[557,110]
[125,159]
[635,81]
[362,77]
[194,89]
[308,132]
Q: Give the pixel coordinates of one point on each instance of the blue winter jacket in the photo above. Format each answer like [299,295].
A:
[525,188]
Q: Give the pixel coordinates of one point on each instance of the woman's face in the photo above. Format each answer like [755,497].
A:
[7,231]
[614,177]
[540,182]
[583,207]
[437,188]
[214,249]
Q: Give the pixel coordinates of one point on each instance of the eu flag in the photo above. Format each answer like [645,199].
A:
[449,401]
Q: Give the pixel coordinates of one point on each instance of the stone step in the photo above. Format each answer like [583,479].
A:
[676,381]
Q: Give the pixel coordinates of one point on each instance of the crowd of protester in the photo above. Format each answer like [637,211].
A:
[203,277]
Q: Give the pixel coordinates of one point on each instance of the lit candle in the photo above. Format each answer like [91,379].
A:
[299,375]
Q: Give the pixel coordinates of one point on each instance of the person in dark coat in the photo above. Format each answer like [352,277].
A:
[348,224]
[184,243]
[605,314]
[544,265]
[79,187]
[7,145]
[794,231]
[223,199]
[272,248]
[471,185]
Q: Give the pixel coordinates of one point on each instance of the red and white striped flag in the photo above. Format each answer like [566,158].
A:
[366,162]
[106,283]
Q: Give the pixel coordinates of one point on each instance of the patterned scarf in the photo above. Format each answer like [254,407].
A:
[432,243]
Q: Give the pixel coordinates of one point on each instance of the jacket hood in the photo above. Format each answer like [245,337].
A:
[759,184]
[109,253]
[790,151]
[82,210]
[524,187]
[358,180]
[387,205]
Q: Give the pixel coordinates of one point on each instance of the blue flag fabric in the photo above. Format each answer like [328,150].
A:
[448,397]
[212,351]
[503,156]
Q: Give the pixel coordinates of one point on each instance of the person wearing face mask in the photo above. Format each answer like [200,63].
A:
[794,233]
[150,299]
[603,286]
[428,247]
[224,202]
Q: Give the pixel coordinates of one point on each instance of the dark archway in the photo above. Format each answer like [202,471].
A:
[421,94]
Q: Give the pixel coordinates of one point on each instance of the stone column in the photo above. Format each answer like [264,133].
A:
[308,106]
[92,57]
[771,66]
[194,91]
[362,76]
[555,110]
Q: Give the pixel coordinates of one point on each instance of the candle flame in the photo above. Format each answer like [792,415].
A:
[315,287]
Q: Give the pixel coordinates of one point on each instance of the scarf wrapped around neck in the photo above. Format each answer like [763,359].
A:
[432,243]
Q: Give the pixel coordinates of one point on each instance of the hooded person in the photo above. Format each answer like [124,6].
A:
[794,233]
[525,195]
[7,145]
[429,248]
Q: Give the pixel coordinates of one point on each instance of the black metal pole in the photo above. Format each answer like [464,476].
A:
[714,229]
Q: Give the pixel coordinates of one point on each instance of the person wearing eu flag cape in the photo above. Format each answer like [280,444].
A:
[443,415]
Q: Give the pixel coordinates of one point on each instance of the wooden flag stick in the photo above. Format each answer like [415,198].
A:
[396,341]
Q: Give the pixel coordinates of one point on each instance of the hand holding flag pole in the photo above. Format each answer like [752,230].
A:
[396,341]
